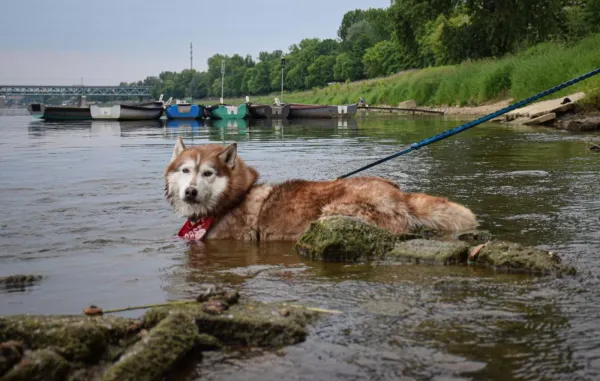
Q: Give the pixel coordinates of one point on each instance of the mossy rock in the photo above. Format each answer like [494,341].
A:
[430,251]
[206,342]
[245,324]
[473,236]
[158,351]
[19,281]
[515,257]
[346,239]
[76,338]
[10,354]
[41,365]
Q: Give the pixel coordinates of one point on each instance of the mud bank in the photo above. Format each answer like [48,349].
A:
[115,348]
[343,239]
[575,112]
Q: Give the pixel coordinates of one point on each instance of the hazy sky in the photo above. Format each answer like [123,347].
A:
[45,42]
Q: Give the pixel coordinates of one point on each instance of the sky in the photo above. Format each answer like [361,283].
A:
[45,42]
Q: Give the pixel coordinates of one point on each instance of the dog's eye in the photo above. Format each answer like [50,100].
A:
[207,173]
[185,170]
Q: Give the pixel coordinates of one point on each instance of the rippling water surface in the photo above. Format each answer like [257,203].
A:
[82,204]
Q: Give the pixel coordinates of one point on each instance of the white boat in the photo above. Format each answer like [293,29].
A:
[125,112]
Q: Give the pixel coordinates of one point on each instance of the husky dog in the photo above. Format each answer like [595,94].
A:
[212,182]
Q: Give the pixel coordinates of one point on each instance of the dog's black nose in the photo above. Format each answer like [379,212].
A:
[191,193]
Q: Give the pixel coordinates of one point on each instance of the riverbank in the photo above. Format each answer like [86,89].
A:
[471,88]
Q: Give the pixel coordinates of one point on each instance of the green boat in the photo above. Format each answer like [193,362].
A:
[228,112]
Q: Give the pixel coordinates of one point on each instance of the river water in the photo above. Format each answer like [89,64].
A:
[82,204]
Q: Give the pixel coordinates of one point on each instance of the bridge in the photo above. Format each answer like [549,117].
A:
[107,91]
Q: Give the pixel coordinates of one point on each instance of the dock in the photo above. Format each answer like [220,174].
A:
[390,109]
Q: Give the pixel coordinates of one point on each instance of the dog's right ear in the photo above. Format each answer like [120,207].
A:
[179,148]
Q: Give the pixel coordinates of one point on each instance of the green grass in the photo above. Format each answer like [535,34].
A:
[470,83]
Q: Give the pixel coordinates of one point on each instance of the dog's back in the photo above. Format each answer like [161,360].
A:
[291,206]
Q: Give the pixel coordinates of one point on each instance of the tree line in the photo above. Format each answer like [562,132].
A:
[409,34]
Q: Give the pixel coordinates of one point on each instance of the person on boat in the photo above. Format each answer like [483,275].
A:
[361,101]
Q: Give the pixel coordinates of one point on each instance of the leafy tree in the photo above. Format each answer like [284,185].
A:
[350,18]
[385,58]
[320,72]
[347,66]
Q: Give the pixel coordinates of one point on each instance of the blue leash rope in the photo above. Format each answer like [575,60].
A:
[466,126]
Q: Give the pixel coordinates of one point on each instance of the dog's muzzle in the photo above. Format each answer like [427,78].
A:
[190,194]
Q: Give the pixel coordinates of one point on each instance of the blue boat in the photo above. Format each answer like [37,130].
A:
[184,111]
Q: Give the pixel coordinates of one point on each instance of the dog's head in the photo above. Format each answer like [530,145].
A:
[206,180]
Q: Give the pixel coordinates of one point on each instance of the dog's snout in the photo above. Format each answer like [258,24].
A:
[191,193]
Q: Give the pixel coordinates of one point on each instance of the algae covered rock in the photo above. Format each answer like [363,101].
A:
[157,352]
[76,338]
[345,239]
[246,324]
[516,257]
[77,348]
[10,354]
[42,365]
[473,236]
[431,251]
[206,342]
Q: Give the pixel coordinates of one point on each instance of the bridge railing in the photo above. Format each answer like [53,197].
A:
[126,91]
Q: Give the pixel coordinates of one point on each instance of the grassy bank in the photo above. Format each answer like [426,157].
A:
[470,83]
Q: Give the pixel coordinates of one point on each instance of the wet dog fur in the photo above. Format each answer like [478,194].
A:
[213,181]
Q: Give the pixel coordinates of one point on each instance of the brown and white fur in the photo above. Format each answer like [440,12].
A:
[213,181]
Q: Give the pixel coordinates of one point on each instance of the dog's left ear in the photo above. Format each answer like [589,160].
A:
[228,156]
[179,148]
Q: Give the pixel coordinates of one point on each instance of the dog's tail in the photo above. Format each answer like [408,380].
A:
[438,213]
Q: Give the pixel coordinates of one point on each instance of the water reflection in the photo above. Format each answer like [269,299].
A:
[185,123]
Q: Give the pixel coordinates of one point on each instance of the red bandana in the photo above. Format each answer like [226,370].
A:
[196,231]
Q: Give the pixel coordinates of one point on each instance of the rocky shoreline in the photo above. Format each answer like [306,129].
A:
[94,346]
[115,348]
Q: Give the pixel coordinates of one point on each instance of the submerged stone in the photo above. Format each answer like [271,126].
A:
[19,281]
[345,239]
[41,365]
[441,252]
[515,257]
[157,352]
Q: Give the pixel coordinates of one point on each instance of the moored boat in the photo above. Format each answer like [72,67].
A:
[278,111]
[298,110]
[125,112]
[228,112]
[184,111]
[260,111]
[38,110]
